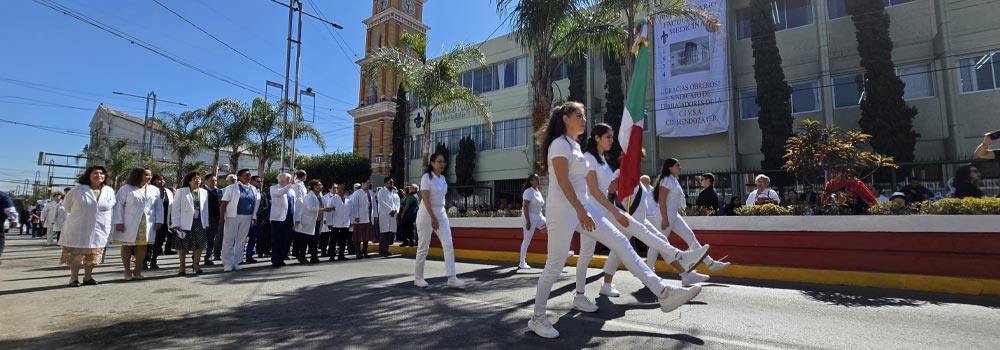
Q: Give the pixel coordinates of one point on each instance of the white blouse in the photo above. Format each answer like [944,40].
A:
[536,201]
[564,147]
[604,178]
[437,186]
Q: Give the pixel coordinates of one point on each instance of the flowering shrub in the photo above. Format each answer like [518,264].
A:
[763,210]
[964,206]
[698,211]
[892,208]
[485,214]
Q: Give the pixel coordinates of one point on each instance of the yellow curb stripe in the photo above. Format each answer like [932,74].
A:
[926,283]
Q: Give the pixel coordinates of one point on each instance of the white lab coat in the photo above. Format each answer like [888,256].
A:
[388,201]
[300,194]
[88,218]
[182,209]
[55,216]
[279,205]
[231,194]
[310,211]
[361,206]
[340,216]
[130,205]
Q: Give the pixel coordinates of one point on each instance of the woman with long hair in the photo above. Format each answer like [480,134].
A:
[189,221]
[966,182]
[670,201]
[531,212]
[599,182]
[138,215]
[432,218]
[565,205]
[85,233]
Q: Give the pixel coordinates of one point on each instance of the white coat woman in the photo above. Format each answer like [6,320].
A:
[85,233]
[138,215]
[388,209]
[432,218]
[531,213]
[55,217]
[189,220]
[567,213]
[311,225]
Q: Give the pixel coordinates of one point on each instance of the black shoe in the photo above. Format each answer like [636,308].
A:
[341,257]
[208,262]
[302,260]
[276,265]
[74,283]
[154,266]
[251,261]
[198,272]
[182,273]
[314,261]
[90,282]
[282,263]
[169,252]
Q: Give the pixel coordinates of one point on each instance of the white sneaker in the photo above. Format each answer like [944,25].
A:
[420,283]
[672,298]
[693,277]
[542,327]
[524,266]
[691,258]
[609,290]
[227,269]
[455,283]
[237,267]
[717,265]
[582,303]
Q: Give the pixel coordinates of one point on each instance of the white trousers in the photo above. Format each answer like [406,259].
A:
[234,235]
[424,229]
[680,227]
[536,223]
[50,235]
[637,229]
[561,226]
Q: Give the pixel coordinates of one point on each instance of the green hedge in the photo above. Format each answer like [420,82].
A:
[948,206]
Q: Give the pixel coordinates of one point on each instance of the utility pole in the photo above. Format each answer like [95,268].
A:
[145,122]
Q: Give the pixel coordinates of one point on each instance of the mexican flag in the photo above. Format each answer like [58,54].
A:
[630,131]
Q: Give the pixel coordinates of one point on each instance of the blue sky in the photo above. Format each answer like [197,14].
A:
[71,66]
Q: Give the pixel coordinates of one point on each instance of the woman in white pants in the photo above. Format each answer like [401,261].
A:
[567,213]
[431,217]
[670,201]
[531,212]
[599,181]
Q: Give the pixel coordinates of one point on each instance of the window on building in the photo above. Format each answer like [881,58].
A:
[416,146]
[496,76]
[918,81]
[748,104]
[790,14]
[847,90]
[980,72]
[511,133]
[838,8]
[561,73]
[805,97]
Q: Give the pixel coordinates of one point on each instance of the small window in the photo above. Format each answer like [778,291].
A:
[980,72]
[847,90]
[918,81]
[805,97]
[748,105]
[790,14]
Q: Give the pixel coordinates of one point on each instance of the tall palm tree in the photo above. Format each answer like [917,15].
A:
[117,156]
[434,84]
[213,130]
[181,131]
[229,120]
[555,31]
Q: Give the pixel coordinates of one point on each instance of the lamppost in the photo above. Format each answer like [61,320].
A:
[145,120]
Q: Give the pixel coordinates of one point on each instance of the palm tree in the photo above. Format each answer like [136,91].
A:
[182,132]
[228,120]
[213,131]
[433,84]
[117,156]
[554,31]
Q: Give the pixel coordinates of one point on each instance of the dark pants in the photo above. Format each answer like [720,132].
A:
[214,238]
[3,240]
[157,249]
[38,231]
[304,242]
[324,242]
[281,232]
[385,240]
[252,240]
[338,242]
[406,232]
[264,241]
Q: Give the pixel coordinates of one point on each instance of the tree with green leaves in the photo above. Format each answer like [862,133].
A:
[340,168]
[443,149]
[434,84]
[773,93]
[816,149]
[554,32]
[182,132]
[465,166]
[118,156]
[397,163]
[884,113]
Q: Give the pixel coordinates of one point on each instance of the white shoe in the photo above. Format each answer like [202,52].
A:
[610,290]
[691,258]
[582,303]
[227,269]
[455,283]
[420,283]
[693,277]
[672,298]
[524,266]
[717,265]
[237,267]
[542,327]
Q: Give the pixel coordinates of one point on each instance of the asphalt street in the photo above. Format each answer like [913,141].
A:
[372,304]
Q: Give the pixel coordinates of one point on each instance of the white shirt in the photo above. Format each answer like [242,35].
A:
[88,218]
[182,213]
[55,215]
[675,198]
[536,201]
[388,201]
[310,215]
[568,149]
[438,188]
[361,207]
[340,217]
[768,193]
[604,177]
[231,194]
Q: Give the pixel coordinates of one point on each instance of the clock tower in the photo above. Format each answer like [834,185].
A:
[376,109]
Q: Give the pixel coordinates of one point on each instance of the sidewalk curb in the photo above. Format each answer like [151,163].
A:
[924,283]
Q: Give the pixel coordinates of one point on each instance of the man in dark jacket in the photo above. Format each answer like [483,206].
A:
[214,245]
[708,198]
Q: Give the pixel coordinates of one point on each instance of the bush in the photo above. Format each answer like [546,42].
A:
[769,209]
[698,210]
[485,214]
[964,206]
[891,208]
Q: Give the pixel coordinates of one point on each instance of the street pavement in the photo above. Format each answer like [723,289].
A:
[372,304]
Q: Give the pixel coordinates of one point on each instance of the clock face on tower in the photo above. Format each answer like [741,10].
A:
[382,4]
[409,6]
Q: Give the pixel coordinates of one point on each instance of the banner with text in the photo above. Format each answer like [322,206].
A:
[692,76]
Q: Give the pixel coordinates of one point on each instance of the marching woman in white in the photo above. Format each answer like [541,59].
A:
[599,182]
[138,215]
[670,201]
[89,208]
[189,219]
[308,229]
[431,217]
[567,212]
[531,211]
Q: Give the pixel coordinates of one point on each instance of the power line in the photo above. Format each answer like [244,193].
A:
[330,32]
[68,132]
